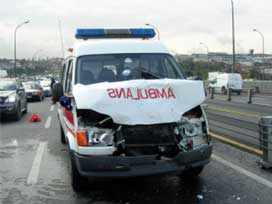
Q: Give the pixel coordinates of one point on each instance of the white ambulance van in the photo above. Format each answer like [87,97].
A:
[125,109]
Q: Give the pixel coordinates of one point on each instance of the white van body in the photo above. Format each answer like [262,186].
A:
[3,73]
[223,81]
[117,124]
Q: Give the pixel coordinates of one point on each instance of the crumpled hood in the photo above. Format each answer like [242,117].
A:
[141,102]
[6,93]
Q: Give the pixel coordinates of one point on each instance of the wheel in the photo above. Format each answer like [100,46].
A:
[78,182]
[62,136]
[18,113]
[224,90]
[192,172]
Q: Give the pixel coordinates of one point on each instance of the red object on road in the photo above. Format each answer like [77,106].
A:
[35,118]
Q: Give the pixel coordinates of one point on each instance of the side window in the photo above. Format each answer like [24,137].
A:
[69,77]
[171,72]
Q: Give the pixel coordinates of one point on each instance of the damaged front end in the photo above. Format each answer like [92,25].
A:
[142,149]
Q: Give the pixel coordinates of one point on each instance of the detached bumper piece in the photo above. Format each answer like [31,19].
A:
[118,166]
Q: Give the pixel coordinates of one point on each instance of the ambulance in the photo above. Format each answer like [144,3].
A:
[126,110]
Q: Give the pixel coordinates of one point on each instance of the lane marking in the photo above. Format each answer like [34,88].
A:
[243,171]
[35,169]
[52,108]
[253,115]
[237,144]
[48,122]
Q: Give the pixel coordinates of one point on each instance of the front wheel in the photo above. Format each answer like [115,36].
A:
[224,91]
[78,182]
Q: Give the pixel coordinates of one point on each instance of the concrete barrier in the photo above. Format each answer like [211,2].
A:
[259,86]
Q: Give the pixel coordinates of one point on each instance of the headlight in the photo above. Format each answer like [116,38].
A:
[99,136]
[11,99]
[192,129]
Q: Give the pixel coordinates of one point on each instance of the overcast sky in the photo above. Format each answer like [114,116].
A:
[183,24]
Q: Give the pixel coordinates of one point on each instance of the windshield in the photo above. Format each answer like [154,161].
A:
[120,67]
[45,83]
[31,86]
[7,86]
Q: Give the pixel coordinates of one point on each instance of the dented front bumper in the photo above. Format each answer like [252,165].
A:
[119,166]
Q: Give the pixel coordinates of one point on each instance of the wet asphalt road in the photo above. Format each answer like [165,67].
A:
[220,182]
[237,119]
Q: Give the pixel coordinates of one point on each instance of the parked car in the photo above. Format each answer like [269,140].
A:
[34,91]
[13,100]
[127,109]
[46,85]
[221,82]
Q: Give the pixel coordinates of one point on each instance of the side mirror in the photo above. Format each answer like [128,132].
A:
[65,102]
[57,91]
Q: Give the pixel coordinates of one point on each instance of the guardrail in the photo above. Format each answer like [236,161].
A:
[250,94]
[265,131]
[258,86]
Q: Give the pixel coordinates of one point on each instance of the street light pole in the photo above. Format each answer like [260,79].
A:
[15,38]
[156,28]
[233,38]
[207,48]
[262,36]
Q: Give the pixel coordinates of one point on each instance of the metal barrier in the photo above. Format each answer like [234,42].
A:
[250,94]
[265,131]
[229,94]
[212,93]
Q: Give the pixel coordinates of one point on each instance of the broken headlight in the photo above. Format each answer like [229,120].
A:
[191,132]
[192,128]
[100,136]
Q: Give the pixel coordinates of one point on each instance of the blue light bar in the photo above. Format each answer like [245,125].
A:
[114,33]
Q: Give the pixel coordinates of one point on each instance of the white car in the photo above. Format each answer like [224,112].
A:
[46,87]
[223,81]
[125,109]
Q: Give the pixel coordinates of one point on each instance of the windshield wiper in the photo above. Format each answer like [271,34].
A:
[147,74]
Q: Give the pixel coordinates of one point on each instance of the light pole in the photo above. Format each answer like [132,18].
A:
[15,36]
[207,48]
[156,28]
[262,36]
[233,37]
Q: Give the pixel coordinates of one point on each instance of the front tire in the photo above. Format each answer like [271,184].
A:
[78,182]
[224,90]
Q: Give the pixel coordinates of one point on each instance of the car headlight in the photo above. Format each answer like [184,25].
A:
[99,136]
[11,99]
[191,129]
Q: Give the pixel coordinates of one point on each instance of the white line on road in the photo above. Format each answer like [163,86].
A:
[48,122]
[243,171]
[34,172]
[52,108]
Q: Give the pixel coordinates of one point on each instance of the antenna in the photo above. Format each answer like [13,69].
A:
[61,37]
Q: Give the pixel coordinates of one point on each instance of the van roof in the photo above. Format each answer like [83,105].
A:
[117,46]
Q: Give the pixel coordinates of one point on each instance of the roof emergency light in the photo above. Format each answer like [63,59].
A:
[115,33]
